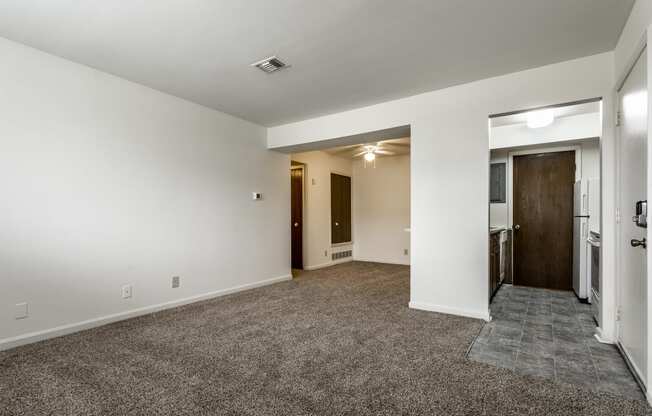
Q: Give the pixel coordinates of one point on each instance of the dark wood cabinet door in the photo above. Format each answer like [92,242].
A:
[494,263]
[543,212]
[340,208]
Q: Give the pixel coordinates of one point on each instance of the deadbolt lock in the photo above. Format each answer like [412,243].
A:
[639,243]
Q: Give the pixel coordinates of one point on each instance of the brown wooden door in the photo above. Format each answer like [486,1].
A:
[340,208]
[543,214]
[296,181]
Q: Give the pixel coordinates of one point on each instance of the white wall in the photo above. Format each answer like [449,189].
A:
[633,36]
[591,159]
[450,167]
[317,247]
[580,126]
[105,183]
[381,210]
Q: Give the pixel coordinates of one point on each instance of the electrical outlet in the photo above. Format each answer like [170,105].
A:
[21,311]
[314,182]
[405,251]
[127,291]
[176,282]
[325,253]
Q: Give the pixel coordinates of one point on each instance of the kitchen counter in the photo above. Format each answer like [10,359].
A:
[494,230]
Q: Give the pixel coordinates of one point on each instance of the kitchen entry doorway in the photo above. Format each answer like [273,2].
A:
[543,189]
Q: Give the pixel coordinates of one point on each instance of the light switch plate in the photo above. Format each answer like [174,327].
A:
[21,311]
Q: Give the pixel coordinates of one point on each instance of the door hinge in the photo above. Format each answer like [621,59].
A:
[619,314]
[619,116]
[618,216]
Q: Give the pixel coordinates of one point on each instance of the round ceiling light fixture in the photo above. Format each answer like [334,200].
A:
[370,156]
[540,118]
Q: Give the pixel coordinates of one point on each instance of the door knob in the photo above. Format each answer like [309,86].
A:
[337,224]
[639,243]
[296,224]
[517,227]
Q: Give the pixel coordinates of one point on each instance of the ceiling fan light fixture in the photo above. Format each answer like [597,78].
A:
[369,156]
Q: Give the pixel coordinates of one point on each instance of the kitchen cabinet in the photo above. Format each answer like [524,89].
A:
[497,261]
[506,257]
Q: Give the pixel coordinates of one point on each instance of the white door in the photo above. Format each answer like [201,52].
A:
[633,183]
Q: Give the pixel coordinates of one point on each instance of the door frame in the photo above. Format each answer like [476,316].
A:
[302,167]
[510,179]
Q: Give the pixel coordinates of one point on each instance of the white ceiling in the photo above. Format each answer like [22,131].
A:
[398,147]
[344,53]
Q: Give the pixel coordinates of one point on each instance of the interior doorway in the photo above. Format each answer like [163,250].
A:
[354,202]
[545,196]
[296,217]
[543,219]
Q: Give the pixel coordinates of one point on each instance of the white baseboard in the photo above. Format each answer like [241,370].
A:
[376,260]
[328,264]
[450,310]
[601,339]
[633,368]
[32,337]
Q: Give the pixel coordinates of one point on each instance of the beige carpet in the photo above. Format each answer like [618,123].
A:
[338,341]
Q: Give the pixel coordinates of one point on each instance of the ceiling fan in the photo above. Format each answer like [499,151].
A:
[369,151]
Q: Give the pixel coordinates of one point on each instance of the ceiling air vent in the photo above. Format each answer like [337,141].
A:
[269,65]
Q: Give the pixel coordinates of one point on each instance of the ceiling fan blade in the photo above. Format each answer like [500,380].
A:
[351,146]
[341,150]
[401,146]
[360,154]
[384,152]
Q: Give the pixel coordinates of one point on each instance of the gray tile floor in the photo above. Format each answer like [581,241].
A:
[548,333]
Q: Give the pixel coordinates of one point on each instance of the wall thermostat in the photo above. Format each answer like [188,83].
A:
[257,196]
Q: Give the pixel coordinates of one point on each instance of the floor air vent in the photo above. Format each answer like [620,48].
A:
[342,254]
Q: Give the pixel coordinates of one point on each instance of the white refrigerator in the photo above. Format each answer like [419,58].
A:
[587,198]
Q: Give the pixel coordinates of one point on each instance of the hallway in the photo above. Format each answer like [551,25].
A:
[547,333]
